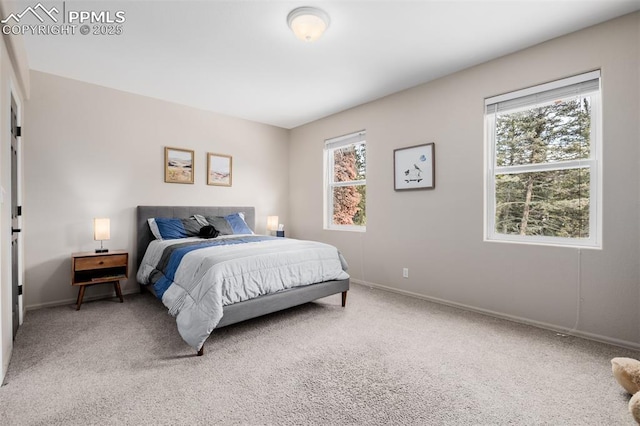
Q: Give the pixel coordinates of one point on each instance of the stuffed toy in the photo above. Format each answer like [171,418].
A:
[627,372]
[634,406]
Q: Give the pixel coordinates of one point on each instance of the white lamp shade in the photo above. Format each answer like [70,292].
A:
[272,223]
[308,23]
[101,229]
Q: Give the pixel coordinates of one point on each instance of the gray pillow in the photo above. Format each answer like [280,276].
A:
[221,224]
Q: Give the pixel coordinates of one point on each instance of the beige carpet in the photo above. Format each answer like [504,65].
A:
[385,359]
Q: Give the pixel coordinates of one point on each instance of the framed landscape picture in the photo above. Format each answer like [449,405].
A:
[219,169]
[178,165]
[414,167]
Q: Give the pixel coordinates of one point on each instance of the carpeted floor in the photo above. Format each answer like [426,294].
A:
[384,359]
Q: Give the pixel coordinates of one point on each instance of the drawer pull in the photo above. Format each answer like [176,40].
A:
[101,262]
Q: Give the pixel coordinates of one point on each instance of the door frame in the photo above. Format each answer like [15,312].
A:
[15,95]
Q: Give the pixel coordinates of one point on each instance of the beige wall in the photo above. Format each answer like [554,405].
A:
[438,234]
[94,151]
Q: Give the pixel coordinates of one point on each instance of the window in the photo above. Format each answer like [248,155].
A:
[345,159]
[543,164]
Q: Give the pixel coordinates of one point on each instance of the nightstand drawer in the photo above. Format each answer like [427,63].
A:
[100,262]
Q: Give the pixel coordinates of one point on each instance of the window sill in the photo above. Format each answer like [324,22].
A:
[546,243]
[348,228]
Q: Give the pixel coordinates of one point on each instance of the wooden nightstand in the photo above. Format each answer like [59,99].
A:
[91,268]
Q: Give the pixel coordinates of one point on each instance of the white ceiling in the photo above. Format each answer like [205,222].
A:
[239,57]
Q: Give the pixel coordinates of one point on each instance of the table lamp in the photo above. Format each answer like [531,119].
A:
[272,224]
[101,231]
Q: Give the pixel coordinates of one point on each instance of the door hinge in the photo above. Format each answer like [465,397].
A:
[18,131]
[19,211]
[19,290]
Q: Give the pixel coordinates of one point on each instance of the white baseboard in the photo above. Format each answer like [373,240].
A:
[559,329]
[73,301]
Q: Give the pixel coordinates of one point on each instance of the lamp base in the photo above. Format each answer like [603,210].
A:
[102,250]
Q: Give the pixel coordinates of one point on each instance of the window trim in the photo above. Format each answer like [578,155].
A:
[593,163]
[330,146]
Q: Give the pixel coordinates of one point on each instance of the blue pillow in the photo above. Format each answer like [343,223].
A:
[171,228]
[239,226]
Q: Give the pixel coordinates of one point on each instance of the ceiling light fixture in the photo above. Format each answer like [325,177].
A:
[308,23]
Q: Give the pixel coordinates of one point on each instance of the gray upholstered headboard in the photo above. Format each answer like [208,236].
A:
[145,212]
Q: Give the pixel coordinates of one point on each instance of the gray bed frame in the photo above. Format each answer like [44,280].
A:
[250,308]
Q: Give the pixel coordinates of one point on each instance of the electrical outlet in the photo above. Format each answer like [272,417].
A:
[405,272]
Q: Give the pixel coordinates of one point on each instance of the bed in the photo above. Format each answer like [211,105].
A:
[253,307]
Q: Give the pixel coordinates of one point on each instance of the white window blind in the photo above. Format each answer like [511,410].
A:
[549,92]
[340,141]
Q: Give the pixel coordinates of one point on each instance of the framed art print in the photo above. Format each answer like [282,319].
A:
[178,165]
[219,169]
[414,167]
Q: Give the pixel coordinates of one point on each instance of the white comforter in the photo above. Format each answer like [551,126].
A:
[210,278]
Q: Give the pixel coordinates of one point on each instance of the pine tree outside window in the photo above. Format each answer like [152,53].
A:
[543,180]
[345,182]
